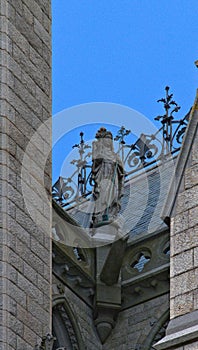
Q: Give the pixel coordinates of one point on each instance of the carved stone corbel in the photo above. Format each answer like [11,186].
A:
[108,287]
[47,343]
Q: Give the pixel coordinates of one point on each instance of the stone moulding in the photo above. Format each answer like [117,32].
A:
[69,322]
[181,330]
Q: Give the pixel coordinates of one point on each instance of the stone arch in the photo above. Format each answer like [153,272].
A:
[64,326]
[157,328]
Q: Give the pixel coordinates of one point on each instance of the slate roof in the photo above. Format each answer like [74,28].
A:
[142,202]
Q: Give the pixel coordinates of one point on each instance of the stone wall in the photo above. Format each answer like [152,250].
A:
[184,242]
[135,327]
[25,220]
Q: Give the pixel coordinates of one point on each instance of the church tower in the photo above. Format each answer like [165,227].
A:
[89,309]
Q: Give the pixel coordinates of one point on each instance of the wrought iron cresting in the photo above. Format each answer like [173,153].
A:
[144,152]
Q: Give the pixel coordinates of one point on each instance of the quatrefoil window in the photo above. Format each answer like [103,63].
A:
[141,261]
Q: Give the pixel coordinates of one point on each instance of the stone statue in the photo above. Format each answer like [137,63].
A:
[108,176]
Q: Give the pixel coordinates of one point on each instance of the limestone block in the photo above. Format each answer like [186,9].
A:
[183,283]
[16,294]
[28,83]
[29,336]
[19,39]
[17,4]
[192,346]
[16,326]
[45,6]
[27,14]
[31,322]
[41,32]
[29,67]
[180,222]
[194,151]
[181,263]
[4,24]
[193,216]
[21,344]
[46,54]
[195,295]
[43,98]
[39,250]
[30,289]
[196,257]
[182,304]
[35,9]
[6,43]
[191,176]
[29,257]
[187,199]
[184,241]
[28,32]
[16,229]
[27,98]
[46,22]
[30,273]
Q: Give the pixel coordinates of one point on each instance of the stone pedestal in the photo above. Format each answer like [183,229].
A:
[109,258]
[107,297]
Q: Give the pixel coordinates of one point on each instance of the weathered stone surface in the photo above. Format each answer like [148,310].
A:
[183,283]
[192,346]
[132,329]
[191,176]
[24,282]
[182,304]
[193,217]
[180,222]
[182,263]
[184,250]
[194,151]
[187,199]
[184,240]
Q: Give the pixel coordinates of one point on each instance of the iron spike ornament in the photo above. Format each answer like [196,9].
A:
[121,134]
[146,151]
[81,163]
[167,119]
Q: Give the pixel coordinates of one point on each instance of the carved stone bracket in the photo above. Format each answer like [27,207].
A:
[107,297]
[72,275]
[109,260]
[47,343]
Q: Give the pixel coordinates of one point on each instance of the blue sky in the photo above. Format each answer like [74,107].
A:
[125,52]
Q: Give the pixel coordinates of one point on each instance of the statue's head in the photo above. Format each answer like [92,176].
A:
[103,133]
[105,138]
